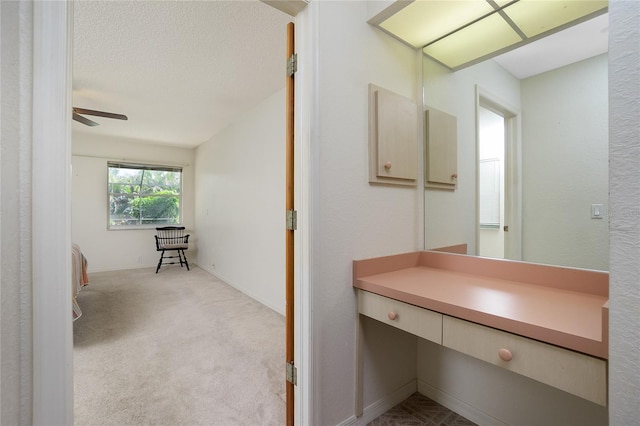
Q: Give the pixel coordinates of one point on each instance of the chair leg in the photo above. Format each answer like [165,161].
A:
[185,260]
[160,261]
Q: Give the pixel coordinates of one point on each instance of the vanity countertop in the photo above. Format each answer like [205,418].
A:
[562,306]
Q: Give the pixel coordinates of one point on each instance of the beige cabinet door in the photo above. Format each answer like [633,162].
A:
[441,150]
[397,142]
[393,138]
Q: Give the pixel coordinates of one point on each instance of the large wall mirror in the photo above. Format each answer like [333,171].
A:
[532,151]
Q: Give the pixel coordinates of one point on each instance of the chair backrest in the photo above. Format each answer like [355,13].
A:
[170,235]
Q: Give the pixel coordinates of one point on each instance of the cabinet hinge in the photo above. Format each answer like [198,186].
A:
[292,373]
[292,65]
[292,220]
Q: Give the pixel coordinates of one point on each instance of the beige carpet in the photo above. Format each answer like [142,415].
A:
[175,348]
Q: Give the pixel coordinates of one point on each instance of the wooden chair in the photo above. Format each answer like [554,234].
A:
[170,238]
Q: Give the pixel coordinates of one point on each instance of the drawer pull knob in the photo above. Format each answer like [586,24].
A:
[387,165]
[505,354]
[392,315]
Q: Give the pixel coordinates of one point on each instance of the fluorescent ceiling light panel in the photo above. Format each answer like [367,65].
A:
[535,17]
[489,35]
[461,32]
[502,3]
[424,21]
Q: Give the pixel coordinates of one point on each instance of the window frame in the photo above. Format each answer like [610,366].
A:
[143,167]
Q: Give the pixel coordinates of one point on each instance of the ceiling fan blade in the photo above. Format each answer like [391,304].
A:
[84,120]
[100,113]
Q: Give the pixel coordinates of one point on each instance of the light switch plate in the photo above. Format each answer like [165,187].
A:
[597,211]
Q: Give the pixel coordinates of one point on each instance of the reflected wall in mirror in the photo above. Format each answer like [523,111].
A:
[555,162]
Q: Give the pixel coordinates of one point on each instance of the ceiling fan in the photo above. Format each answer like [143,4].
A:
[84,120]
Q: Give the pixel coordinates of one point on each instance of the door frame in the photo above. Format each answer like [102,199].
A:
[304,93]
[51,213]
[513,170]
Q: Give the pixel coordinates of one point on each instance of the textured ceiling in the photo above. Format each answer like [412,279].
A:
[180,70]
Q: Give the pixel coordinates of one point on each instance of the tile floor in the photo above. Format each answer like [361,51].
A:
[420,410]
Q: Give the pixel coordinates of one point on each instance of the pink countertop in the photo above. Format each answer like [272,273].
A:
[561,306]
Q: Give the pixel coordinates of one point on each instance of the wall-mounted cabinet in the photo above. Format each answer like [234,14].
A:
[393,138]
[441,165]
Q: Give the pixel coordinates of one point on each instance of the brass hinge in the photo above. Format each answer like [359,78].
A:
[292,220]
[292,65]
[292,373]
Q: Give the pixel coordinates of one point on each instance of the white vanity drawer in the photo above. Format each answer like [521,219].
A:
[419,321]
[573,372]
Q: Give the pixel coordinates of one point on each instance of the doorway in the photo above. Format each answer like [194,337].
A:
[498,209]
[491,166]
[237,213]
[52,374]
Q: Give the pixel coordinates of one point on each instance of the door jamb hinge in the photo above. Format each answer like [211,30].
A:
[292,65]
[292,220]
[292,373]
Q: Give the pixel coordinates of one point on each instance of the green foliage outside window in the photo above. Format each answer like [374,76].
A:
[143,195]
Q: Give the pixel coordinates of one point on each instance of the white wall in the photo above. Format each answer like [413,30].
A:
[624,186]
[451,215]
[351,219]
[109,250]
[16,372]
[565,165]
[240,210]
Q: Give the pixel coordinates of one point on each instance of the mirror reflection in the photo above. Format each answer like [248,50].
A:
[532,152]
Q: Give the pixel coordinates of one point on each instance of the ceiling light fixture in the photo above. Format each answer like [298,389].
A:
[459,33]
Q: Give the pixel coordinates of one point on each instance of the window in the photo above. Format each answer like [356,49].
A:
[142,195]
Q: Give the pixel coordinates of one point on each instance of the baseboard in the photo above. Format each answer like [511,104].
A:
[120,268]
[381,406]
[129,267]
[457,405]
